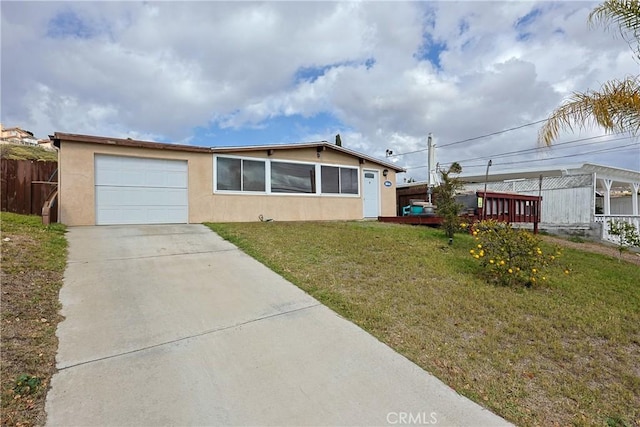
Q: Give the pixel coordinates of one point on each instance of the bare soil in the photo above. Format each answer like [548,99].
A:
[31,276]
[598,248]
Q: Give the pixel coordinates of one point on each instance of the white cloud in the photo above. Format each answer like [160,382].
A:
[162,69]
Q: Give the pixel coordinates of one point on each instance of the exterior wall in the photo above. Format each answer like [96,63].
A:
[567,202]
[387,194]
[76,179]
[77,187]
[300,207]
[566,207]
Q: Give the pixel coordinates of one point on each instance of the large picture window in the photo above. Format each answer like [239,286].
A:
[240,174]
[267,176]
[293,178]
[336,180]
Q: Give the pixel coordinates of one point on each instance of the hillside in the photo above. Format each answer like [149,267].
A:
[26,152]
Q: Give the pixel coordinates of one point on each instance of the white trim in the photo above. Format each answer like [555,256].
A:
[244,192]
[331,165]
[267,170]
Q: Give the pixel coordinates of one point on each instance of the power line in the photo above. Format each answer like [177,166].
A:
[492,134]
[472,139]
[530,150]
[602,150]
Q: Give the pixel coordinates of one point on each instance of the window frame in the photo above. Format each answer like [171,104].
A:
[241,191]
[267,171]
[295,162]
[340,188]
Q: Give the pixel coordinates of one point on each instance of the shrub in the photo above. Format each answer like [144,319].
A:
[626,235]
[510,256]
[448,208]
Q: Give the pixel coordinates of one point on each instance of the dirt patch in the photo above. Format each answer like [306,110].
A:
[598,248]
[33,258]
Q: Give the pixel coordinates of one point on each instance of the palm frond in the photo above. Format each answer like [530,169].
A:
[615,107]
[621,14]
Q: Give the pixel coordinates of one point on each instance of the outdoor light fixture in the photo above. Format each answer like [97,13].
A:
[385,172]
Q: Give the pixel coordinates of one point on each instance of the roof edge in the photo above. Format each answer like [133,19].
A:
[308,145]
[58,137]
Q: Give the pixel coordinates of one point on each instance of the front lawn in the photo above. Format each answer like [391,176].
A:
[566,352]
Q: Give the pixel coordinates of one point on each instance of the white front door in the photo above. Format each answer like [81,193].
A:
[371,194]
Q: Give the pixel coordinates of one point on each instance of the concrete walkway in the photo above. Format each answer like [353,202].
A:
[171,325]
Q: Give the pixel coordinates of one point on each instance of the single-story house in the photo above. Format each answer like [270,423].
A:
[106,181]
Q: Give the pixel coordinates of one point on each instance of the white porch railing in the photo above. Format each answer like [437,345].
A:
[604,220]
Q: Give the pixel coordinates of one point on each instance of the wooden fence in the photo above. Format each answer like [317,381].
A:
[26,185]
[406,194]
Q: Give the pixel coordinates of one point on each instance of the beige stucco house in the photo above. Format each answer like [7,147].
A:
[122,181]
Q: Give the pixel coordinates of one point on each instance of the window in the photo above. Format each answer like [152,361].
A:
[293,178]
[240,174]
[267,176]
[229,173]
[348,181]
[253,175]
[336,180]
[330,180]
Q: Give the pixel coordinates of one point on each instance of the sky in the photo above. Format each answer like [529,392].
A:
[381,74]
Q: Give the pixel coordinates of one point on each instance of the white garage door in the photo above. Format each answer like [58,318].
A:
[133,190]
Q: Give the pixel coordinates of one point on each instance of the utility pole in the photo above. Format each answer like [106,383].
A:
[430,164]
[484,196]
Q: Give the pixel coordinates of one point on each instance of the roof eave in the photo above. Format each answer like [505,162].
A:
[58,137]
[308,145]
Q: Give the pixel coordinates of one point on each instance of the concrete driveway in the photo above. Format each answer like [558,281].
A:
[171,325]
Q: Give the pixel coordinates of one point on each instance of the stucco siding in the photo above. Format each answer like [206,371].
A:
[241,208]
[77,186]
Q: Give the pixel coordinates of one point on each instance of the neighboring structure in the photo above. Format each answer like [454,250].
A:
[47,144]
[122,181]
[17,136]
[582,197]
[578,198]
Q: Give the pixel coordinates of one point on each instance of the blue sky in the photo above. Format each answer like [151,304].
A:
[382,74]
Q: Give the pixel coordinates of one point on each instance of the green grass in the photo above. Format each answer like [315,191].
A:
[33,262]
[567,352]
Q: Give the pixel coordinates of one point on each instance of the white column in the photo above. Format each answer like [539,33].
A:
[607,196]
[634,197]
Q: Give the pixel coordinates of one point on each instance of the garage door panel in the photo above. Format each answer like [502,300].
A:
[133,215]
[140,190]
[154,174]
[109,197]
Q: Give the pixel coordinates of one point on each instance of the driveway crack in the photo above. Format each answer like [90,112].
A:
[188,337]
[156,256]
